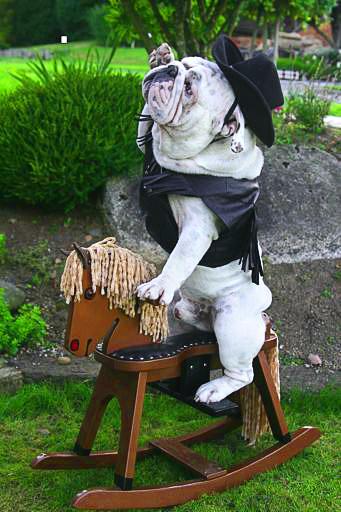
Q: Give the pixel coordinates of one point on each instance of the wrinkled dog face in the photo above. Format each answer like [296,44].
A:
[181,94]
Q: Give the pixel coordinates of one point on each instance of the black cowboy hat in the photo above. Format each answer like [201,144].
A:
[255,83]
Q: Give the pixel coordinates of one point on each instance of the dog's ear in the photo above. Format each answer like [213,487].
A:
[238,137]
[191,62]
[235,130]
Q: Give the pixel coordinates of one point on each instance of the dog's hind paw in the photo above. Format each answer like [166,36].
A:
[218,389]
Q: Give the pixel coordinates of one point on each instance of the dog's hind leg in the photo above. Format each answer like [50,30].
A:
[240,332]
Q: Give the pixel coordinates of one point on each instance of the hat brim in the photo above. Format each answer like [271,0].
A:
[253,105]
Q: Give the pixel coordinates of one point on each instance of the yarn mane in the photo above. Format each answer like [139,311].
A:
[117,272]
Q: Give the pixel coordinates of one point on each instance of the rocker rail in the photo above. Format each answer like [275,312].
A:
[178,493]
[69,460]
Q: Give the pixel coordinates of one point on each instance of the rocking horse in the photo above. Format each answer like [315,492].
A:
[122,341]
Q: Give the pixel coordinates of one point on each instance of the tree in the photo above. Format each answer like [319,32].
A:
[273,12]
[336,25]
[72,17]
[6,17]
[189,26]
[33,23]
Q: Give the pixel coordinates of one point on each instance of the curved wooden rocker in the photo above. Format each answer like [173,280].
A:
[129,361]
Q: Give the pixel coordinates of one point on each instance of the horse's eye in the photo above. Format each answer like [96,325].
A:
[89,294]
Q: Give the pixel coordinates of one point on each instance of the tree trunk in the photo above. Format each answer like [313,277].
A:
[138,25]
[276,38]
[254,39]
[336,25]
[265,36]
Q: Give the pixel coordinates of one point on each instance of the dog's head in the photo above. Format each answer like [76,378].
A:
[192,95]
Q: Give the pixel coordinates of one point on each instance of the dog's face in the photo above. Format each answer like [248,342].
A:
[189,93]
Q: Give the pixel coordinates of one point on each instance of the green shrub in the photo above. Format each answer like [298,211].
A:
[27,328]
[35,258]
[3,250]
[312,66]
[61,138]
[308,109]
[301,120]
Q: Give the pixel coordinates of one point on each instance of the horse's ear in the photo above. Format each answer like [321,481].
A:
[83,255]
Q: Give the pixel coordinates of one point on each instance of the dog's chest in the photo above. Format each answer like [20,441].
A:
[193,214]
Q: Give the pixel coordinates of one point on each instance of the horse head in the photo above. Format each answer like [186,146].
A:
[91,321]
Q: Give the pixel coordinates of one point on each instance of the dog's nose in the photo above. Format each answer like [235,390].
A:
[172,71]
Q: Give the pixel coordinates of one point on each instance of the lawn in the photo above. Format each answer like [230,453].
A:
[125,59]
[306,483]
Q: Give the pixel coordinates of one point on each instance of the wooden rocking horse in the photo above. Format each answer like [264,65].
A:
[129,361]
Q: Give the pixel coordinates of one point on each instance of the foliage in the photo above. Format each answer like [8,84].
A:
[33,22]
[72,19]
[27,328]
[6,15]
[188,26]
[335,109]
[3,250]
[62,137]
[303,10]
[301,120]
[312,67]
[122,30]
[308,482]
[36,259]
[99,27]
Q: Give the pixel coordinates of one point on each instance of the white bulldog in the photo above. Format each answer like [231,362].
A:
[188,104]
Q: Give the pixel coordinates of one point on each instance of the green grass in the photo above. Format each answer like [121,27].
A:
[306,483]
[335,109]
[125,59]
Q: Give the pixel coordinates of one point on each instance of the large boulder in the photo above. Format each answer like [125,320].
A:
[124,219]
[299,208]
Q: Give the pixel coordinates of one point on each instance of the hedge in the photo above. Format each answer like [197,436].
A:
[62,137]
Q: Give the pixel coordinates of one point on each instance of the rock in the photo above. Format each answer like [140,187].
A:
[314,359]
[43,431]
[88,238]
[299,208]
[64,360]
[11,380]
[13,295]
[124,219]
[332,121]
[95,232]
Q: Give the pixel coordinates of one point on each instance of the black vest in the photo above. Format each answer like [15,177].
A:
[232,200]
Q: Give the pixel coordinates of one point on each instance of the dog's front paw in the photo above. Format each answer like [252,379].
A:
[159,289]
[161,56]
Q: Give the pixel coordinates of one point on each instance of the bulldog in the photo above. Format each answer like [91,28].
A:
[186,104]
